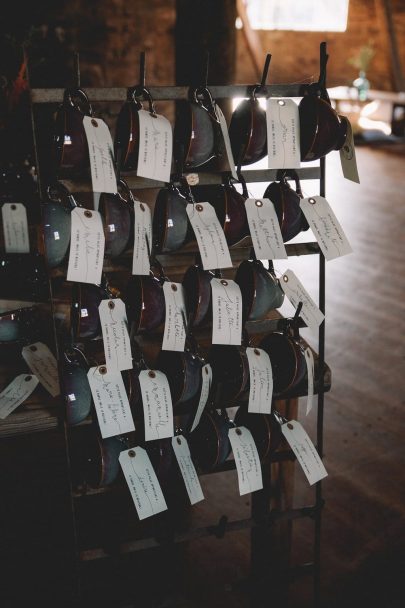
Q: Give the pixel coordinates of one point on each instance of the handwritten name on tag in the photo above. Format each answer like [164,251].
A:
[265,229]
[206,381]
[114,325]
[43,364]
[283,134]
[348,156]
[142,482]
[16,393]
[87,241]
[296,293]
[247,460]
[309,359]
[174,337]
[111,401]
[155,146]
[261,381]
[187,469]
[157,405]
[142,232]
[227,141]
[15,228]
[101,154]
[304,450]
[210,236]
[325,226]
[226,312]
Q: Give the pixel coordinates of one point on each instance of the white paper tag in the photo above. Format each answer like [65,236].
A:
[325,226]
[210,237]
[226,312]
[43,364]
[157,405]
[114,325]
[101,154]
[15,228]
[348,157]
[246,459]
[309,359]
[174,337]
[265,229]
[142,231]
[304,450]
[205,391]
[16,393]
[227,141]
[296,293]
[261,381]
[187,469]
[142,482]
[111,401]
[155,147]
[87,241]
[283,134]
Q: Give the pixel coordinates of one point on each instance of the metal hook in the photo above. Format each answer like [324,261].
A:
[142,69]
[76,68]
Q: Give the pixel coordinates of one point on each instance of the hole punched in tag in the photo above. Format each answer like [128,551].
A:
[281,102]
[142,206]
[312,201]
[174,287]
[33,348]
[102,370]
[111,304]
[224,283]
[290,426]
[94,122]
[178,440]
[27,378]
[259,203]
[285,278]
[238,432]
[88,213]
[257,352]
[199,208]
[151,374]
[131,453]
[13,207]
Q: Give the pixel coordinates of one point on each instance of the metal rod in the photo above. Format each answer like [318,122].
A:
[142,69]
[76,70]
[265,70]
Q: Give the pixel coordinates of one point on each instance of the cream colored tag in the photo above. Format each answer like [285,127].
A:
[246,459]
[87,241]
[309,359]
[226,312]
[101,154]
[210,237]
[142,482]
[187,469]
[265,229]
[227,141]
[43,364]
[16,393]
[15,228]
[157,405]
[261,381]
[205,391]
[304,450]
[155,147]
[283,134]
[174,337]
[114,325]
[296,293]
[142,232]
[348,157]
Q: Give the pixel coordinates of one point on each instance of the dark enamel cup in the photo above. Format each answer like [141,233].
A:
[84,313]
[56,229]
[287,205]
[261,291]
[117,214]
[230,372]
[265,430]
[183,371]
[145,303]
[248,132]
[197,289]
[287,360]
[75,386]
[70,142]
[171,229]
[209,442]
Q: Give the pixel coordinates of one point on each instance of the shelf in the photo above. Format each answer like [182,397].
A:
[28,419]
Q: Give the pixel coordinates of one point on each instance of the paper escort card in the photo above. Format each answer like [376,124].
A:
[15,228]
[226,312]
[261,381]
[304,450]
[114,326]
[210,237]
[246,459]
[142,236]
[325,226]
[227,141]
[87,241]
[142,482]
[296,293]
[265,229]
[348,156]
[174,336]
[157,404]
[206,381]
[187,469]
[101,154]
[43,364]
[111,401]
[155,147]
[283,134]
[16,393]
[309,359]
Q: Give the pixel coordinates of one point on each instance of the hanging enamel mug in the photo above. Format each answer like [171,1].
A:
[56,224]
[117,212]
[230,371]
[197,289]
[287,360]
[145,301]
[265,429]
[75,386]
[171,227]
[286,202]
[261,291]
[84,311]
[209,442]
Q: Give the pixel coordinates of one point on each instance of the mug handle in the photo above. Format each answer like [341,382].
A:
[68,100]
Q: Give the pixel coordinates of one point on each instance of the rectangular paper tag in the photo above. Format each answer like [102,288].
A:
[114,325]
[157,405]
[87,241]
[111,401]
[174,336]
[296,293]
[210,237]
[226,312]
[142,231]
[348,156]
[283,134]
[101,154]
[304,450]
[227,141]
[325,226]
[247,460]
[309,359]
[205,391]
[16,393]
[261,381]
[265,229]
[187,469]
[155,147]
[15,228]
[142,482]
[43,364]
